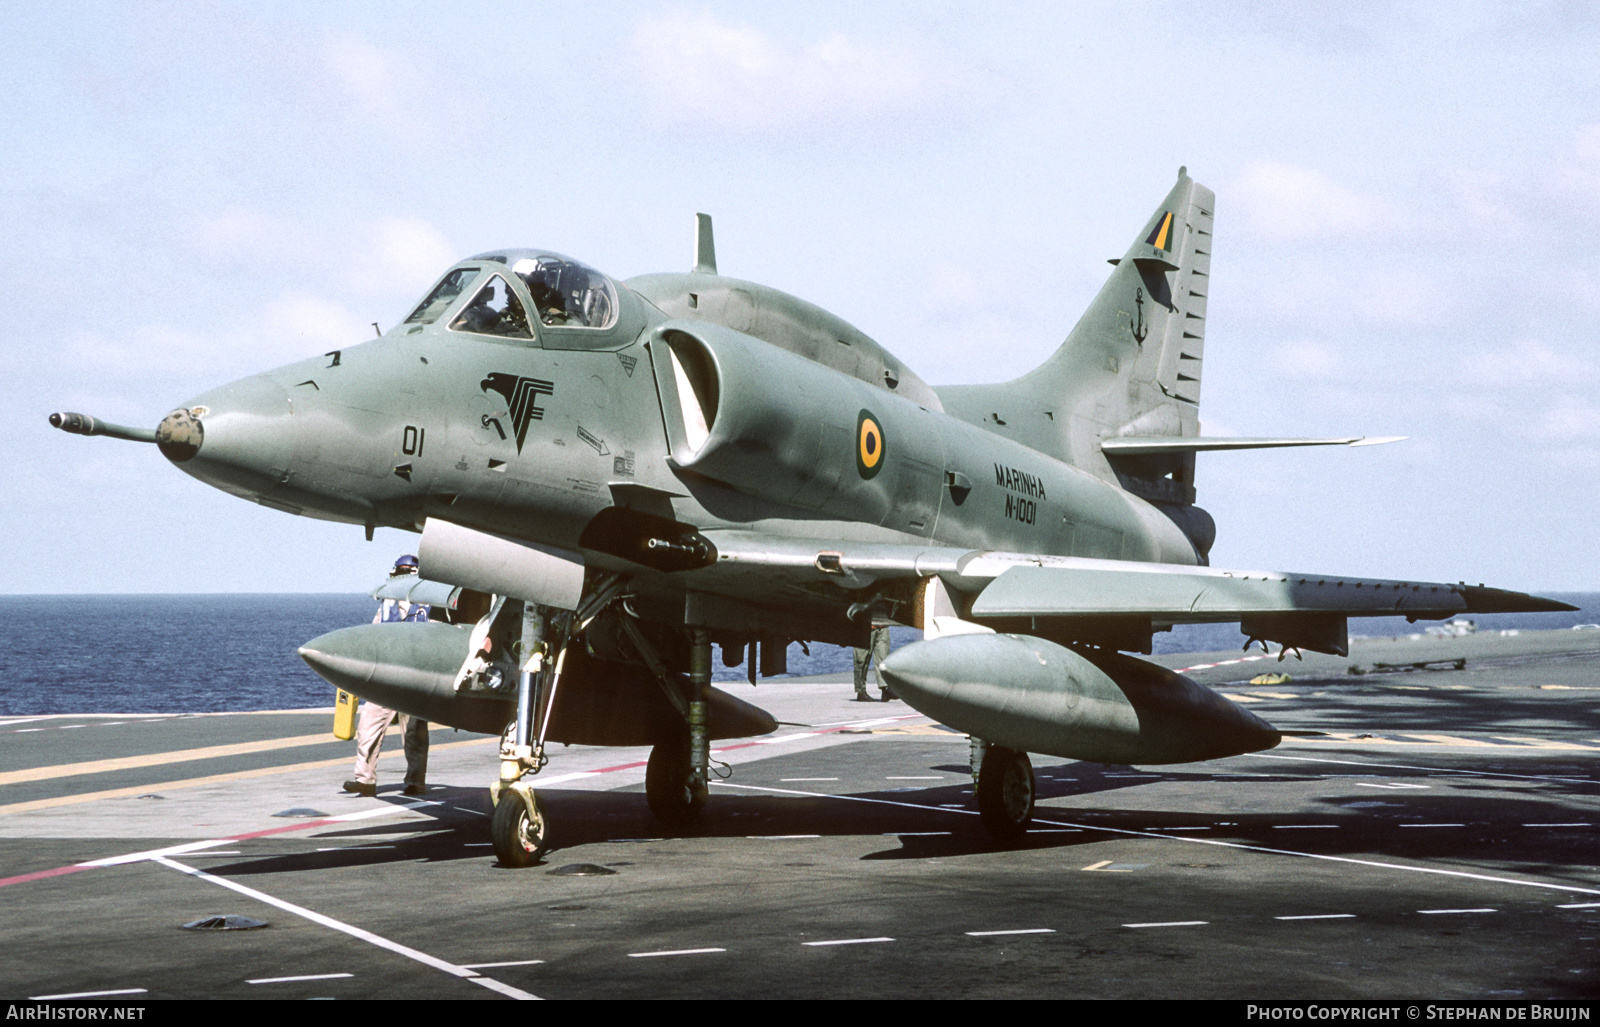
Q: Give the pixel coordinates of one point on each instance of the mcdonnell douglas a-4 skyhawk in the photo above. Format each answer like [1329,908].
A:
[609,477]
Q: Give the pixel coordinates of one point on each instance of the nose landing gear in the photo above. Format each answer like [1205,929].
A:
[519,829]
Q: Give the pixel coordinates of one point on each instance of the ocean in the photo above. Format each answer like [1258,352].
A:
[217,653]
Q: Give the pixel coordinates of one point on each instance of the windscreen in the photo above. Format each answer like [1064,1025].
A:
[443,294]
[494,310]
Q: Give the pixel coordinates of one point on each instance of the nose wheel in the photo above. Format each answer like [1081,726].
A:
[519,830]
[1005,793]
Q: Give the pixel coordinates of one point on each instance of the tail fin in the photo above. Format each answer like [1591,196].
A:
[1131,365]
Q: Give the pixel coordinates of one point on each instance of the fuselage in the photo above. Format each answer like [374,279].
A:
[530,426]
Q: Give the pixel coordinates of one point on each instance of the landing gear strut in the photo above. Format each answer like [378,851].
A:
[520,829]
[676,778]
[1005,792]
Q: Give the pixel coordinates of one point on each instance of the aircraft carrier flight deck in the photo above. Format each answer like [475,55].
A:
[1429,828]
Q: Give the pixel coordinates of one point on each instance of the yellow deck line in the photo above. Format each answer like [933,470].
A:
[195,782]
[155,759]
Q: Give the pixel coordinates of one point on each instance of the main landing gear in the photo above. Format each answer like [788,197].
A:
[669,785]
[676,776]
[1005,792]
[676,780]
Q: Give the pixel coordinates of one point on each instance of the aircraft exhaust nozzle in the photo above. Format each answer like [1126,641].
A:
[1032,695]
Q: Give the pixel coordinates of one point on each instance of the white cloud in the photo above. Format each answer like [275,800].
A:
[407,253]
[291,326]
[239,235]
[367,74]
[1528,362]
[386,260]
[701,71]
[1306,359]
[1567,419]
[1285,203]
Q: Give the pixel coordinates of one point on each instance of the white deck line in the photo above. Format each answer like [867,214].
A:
[353,931]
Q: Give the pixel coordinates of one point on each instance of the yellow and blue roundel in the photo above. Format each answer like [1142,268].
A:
[869,445]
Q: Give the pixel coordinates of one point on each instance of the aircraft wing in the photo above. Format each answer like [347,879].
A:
[1109,602]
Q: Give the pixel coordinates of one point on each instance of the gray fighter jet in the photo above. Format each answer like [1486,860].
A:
[609,477]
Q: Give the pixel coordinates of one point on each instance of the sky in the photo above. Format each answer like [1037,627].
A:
[1408,204]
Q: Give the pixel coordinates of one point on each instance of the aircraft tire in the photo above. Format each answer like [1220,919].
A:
[1005,793]
[666,785]
[519,840]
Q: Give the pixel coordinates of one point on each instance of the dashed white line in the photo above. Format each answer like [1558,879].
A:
[1317,916]
[1402,766]
[1025,930]
[1296,827]
[1430,825]
[847,941]
[1378,864]
[779,837]
[87,994]
[914,779]
[1580,905]
[673,952]
[1557,825]
[1173,923]
[301,977]
[797,779]
[511,962]
[1432,911]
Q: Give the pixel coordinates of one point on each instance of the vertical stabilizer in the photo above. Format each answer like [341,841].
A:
[1131,365]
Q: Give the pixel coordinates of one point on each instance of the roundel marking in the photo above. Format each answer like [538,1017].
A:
[870,445]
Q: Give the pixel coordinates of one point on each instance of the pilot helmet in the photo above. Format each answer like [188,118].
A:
[405,565]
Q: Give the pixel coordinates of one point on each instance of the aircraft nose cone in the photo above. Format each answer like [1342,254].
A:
[239,435]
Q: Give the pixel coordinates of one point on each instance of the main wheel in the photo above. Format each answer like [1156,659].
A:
[1005,792]
[666,784]
[519,839]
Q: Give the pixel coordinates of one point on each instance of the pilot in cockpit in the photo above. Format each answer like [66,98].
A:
[543,284]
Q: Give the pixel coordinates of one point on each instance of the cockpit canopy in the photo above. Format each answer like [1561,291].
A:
[564,294]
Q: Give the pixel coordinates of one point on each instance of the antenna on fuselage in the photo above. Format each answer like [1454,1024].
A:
[705,250]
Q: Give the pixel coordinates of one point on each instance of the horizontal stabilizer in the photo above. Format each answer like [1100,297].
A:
[1150,445]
